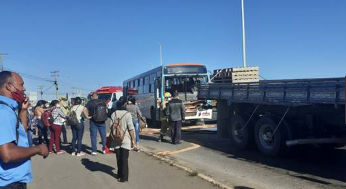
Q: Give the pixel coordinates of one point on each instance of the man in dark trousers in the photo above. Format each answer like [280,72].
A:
[15,153]
[97,114]
[176,116]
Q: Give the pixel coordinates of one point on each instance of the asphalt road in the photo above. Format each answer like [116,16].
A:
[308,161]
[205,153]
[307,167]
[65,172]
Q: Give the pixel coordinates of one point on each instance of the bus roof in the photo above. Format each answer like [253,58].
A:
[159,69]
[185,64]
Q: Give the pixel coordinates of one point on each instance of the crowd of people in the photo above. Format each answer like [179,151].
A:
[48,121]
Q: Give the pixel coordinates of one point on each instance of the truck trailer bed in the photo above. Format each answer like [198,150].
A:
[294,92]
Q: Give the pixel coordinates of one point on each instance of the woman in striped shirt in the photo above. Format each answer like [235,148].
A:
[55,129]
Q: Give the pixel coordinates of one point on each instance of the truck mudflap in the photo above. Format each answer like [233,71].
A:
[202,114]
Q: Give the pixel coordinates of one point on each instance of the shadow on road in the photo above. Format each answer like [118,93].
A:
[96,166]
[166,139]
[329,164]
[242,187]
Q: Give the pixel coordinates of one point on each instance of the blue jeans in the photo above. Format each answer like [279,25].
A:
[77,135]
[93,134]
[136,125]
[42,131]
[64,134]
[29,133]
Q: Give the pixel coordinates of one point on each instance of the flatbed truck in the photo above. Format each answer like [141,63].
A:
[277,114]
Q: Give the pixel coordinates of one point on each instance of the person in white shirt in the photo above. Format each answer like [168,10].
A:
[78,130]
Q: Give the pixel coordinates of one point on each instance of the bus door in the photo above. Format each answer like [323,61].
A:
[157,91]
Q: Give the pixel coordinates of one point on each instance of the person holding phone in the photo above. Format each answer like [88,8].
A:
[15,153]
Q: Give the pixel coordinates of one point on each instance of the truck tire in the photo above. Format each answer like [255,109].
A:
[267,145]
[239,138]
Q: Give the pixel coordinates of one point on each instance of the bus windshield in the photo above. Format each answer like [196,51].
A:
[190,69]
[184,84]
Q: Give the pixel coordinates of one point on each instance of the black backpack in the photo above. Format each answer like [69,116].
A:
[100,112]
[72,118]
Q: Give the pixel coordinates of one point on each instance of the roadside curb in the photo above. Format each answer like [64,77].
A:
[187,169]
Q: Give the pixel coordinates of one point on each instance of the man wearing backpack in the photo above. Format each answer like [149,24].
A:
[123,136]
[15,153]
[97,111]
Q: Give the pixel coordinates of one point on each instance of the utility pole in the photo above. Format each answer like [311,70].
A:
[41,90]
[243,31]
[162,69]
[2,65]
[55,75]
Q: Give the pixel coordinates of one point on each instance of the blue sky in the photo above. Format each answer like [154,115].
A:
[97,43]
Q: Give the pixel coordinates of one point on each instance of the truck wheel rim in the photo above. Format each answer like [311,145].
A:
[238,133]
[265,136]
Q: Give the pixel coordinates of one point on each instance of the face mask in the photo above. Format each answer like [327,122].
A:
[17,95]
[58,105]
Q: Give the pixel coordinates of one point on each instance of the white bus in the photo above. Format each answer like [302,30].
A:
[149,88]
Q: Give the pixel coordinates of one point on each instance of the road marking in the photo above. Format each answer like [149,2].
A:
[165,153]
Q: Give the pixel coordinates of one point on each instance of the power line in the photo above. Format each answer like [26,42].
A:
[29,75]
[49,88]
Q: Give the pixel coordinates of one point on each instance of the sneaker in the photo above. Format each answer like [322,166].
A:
[80,154]
[136,149]
[94,153]
[73,154]
[104,151]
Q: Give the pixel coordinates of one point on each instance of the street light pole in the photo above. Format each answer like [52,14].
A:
[2,65]
[243,31]
[160,45]
[162,72]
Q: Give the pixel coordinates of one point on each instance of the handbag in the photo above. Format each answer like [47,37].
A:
[142,122]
